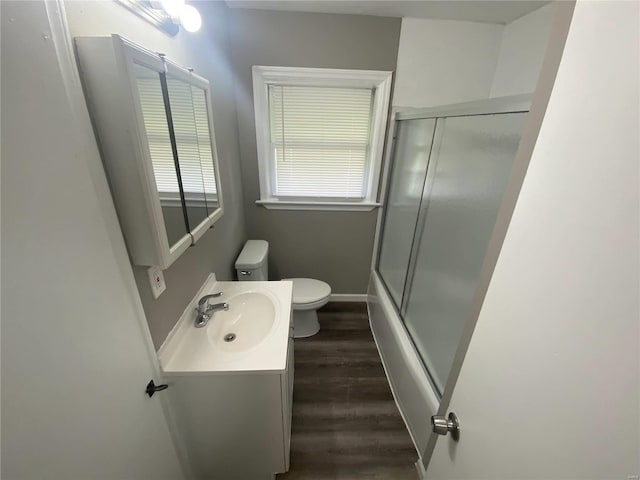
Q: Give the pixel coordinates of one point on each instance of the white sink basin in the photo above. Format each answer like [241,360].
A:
[251,336]
[248,322]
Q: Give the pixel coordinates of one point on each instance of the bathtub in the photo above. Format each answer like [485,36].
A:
[408,379]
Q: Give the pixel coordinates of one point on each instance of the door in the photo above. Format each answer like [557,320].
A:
[549,386]
[76,354]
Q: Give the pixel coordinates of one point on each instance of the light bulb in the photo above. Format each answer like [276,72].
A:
[172,7]
[190,18]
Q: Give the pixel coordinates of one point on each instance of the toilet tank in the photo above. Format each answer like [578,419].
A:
[252,263]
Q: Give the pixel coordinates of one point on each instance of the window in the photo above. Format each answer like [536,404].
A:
[320,136]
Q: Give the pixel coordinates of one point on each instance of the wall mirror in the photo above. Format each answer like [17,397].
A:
[188,98]
[149,84]
[154,123]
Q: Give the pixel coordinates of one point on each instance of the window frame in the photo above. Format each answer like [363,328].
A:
[378,81]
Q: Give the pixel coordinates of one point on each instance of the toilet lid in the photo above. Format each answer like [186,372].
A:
[308,290]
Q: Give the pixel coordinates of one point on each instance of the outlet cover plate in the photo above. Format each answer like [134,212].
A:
[156,278]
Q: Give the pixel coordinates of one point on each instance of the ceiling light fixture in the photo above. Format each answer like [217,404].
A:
[190,18]
[167,14]
[172,7]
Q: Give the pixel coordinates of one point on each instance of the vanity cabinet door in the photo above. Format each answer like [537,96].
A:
[290,371]
[287,401]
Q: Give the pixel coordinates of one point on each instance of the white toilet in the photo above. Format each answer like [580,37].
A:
[252,263]
[308,294]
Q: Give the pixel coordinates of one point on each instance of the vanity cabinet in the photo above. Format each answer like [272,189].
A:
[153,121]
[235,426]
[231,381]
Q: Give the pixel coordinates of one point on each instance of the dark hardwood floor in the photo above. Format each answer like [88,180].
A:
[346,425]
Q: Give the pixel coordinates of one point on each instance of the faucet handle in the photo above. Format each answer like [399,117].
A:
[205,300]
[208,297]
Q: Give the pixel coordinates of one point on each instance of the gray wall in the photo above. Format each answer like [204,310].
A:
[207,52]
[332,246]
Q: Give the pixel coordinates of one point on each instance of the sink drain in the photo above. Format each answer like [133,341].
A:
[229,337]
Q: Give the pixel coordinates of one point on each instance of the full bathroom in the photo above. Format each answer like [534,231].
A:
[324,240]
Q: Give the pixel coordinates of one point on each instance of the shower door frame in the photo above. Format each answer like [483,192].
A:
[493,106]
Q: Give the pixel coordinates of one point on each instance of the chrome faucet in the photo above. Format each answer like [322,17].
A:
[204,311]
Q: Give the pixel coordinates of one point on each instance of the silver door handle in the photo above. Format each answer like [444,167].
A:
[245,273]
[442,425]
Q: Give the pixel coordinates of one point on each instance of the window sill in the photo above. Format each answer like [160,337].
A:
[326,206]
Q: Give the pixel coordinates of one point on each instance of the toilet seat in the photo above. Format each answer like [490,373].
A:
[308,293]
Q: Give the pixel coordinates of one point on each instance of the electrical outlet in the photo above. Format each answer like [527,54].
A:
[157,281]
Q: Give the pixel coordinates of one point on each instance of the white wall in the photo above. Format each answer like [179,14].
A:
[443,61]
[524,42]
[550,386]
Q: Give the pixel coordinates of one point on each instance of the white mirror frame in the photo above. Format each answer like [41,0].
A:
[127,54]
[106,64]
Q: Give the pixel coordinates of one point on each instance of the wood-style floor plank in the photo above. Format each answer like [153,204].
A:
[345,425]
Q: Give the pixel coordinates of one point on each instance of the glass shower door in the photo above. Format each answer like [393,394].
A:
[469,168]
[409,168]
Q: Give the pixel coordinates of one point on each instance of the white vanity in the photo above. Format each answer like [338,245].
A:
[231,381]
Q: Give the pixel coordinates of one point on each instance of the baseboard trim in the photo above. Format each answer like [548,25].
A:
[348,297]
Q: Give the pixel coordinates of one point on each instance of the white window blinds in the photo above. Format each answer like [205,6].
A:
[320,140]
[191,129]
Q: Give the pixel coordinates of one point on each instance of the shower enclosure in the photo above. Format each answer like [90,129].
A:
[446,178]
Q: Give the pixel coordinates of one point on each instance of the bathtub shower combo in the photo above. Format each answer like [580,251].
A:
[448,171]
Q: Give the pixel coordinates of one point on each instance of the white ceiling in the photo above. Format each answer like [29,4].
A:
[488,11]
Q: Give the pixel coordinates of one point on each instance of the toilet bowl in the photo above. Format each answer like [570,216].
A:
[308,296]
